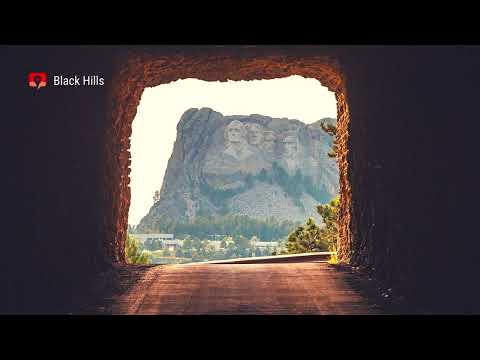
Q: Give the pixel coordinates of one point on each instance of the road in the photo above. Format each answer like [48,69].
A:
[313,288]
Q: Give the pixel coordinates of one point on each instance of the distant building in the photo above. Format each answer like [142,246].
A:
[266,244]
[168,241]
[216,237]
[171,245]
[143,237]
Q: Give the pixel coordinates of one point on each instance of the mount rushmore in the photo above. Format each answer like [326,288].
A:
[251,165]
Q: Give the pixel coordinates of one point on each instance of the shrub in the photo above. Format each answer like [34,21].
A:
[133,253]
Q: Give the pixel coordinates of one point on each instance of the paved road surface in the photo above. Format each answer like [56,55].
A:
[294,288]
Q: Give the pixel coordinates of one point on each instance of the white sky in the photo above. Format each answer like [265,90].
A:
[160,109]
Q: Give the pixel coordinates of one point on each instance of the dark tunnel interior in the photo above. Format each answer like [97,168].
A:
[408,134]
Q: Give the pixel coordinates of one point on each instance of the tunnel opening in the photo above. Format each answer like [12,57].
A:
[139,73]
[234,168]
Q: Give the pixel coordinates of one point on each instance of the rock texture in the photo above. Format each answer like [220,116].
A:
[246,165]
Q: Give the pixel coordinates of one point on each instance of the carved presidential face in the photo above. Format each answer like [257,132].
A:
[235,132]
[290,146]
[269,141]
[255,134]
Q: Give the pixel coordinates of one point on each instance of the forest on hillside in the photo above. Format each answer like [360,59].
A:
[293,185]
[203,227]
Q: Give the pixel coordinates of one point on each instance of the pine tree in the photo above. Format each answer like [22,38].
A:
[306,238]
[329,214]
[156,196]
[262,176]
[331,130]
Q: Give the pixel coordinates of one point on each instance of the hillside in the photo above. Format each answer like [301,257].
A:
[251,165]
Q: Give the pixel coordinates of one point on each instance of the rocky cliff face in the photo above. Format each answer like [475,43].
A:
[246,165]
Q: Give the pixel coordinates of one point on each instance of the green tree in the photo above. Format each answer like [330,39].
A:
[152,244]
[253,246]
[187,244]
[329,214]
[202,227]
[167,252]
[179,252]
[208,250]
[311,237]
[262,176]
[249,181]
[187,247]
[133,253]
[156,196]
[306,238]
[331,129]
[242,243]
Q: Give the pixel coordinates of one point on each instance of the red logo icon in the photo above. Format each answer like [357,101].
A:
[37,80]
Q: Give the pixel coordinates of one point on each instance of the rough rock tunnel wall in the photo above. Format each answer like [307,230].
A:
[407,154]
[412,174]
[148,70]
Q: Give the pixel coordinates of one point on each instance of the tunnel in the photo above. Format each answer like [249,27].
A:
[407,158]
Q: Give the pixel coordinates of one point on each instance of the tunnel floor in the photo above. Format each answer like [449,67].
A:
[310,288]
